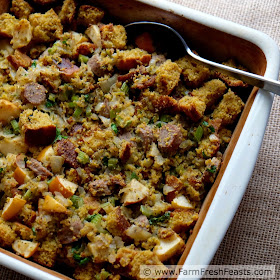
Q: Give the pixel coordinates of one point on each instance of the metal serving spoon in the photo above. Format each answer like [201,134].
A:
[171,36]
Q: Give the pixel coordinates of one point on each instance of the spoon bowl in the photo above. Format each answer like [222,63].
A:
[169,41]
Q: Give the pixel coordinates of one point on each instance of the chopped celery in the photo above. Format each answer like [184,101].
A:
[52,97]
[77,113]
[198,133]
[27,195]
[77,201]
[113,163]
[83,158]
[147,211]
[15,126]
[88,111]
[125,88]
[83,58]
[74,98]
[96,219]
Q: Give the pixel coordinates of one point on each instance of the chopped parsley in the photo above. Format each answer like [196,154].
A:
[212,169]
[58,136]
[114,128]
[161,219]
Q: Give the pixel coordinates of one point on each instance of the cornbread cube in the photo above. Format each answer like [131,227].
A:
[113,36]
[192,106]
[7,25]
[229,108]
[231,81]
[67,12]
[168,76]
[46,27]
[37,127]
[46,253]
[7,234]
[194,72]
[210,92]
[182,219]
[131,58]
[89,15]
[21,9]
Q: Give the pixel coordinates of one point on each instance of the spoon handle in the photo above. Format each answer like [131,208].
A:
[249,78]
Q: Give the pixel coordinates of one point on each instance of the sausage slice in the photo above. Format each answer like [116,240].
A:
[34,93]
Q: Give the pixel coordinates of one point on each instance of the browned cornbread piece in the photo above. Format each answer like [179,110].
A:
[194,72]
[165,104]
[131,260]
[167,77]
[207,147]
[19,59]
[182,219]
[46,27]
[67,12]
[88,15]
[117,223]
[113,36]
[37,127]
[7,25]
[7,234]
[230,81]
[21,9]
[86,272]
[210,92]
[229,108]
[131,58]
[192,106]
[44,2]
[46,254]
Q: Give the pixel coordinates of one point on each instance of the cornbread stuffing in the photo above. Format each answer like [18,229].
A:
[107,150]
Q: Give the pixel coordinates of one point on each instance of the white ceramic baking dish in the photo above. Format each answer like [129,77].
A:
[218,40]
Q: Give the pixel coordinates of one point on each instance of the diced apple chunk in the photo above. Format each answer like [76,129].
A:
[8,111]
[134,192]
[169,247]
[138,233]
[53,206]
[21,175]
[181,202]
[13,145]
[45,155]
[25,248]
[65,187]
[12,207]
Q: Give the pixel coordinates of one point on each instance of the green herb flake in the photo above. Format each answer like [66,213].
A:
[34,64]
[114,128]
[105,161]
[84,261]
[34,231]
[205,123]
[49,104]
[133,176]
[198,133]
[58,136]
[212,129]
[156,220]
[165,118]
[212,169]
[1,170]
